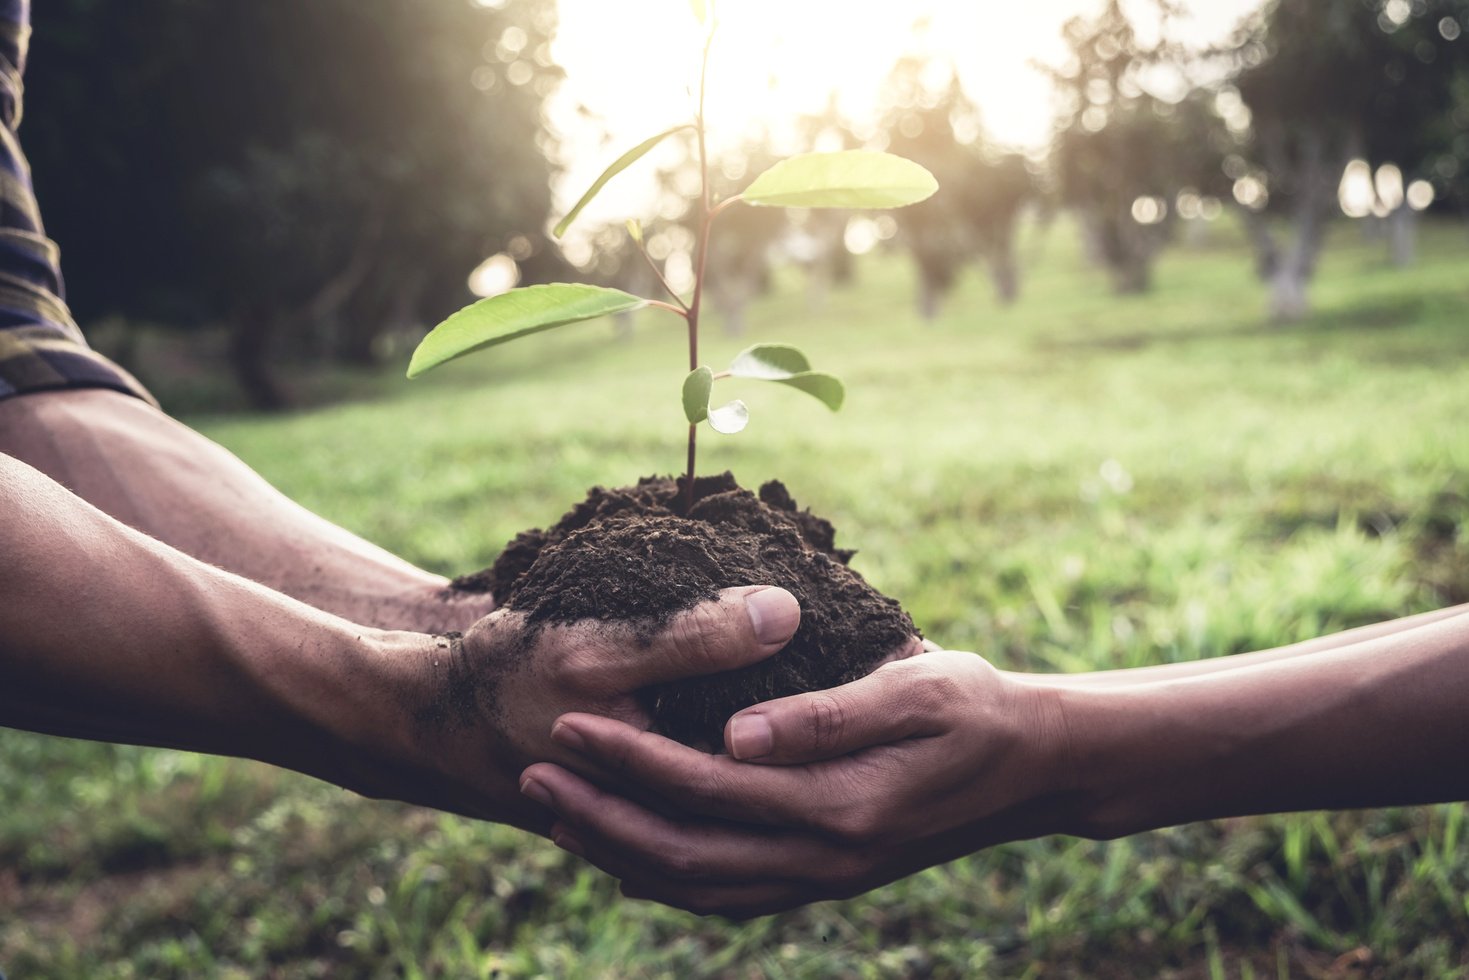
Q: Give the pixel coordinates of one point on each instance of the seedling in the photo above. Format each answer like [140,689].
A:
[852,179]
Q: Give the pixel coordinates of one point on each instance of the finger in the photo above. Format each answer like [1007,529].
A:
[708,868]
[738,903]
[744,625]
[694,781]
[901,699]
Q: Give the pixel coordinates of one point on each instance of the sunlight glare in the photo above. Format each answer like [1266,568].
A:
[632,70]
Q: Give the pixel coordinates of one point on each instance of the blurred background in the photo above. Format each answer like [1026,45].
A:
[268,190]
[1174,365]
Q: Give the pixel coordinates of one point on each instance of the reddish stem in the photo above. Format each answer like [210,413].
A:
[706,218]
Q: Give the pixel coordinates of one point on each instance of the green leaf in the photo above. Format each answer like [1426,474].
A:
[513,314]
[700,13]
[617,167]
[769,362]
[730,418]
[825,388]
[787,365]
[635,230]
[696,388]
[847,179]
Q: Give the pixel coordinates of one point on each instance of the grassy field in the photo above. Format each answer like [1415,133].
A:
[1081,481]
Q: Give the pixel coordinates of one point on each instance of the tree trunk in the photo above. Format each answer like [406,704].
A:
[1289,300]
[1288,297]
[1402,236]
[843,268]
[1003,274]
[1318,168]
[928,299]
[250,340]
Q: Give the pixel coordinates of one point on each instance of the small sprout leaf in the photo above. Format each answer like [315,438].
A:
[823,387]
[514,314]
[730,418]
[617,167]
[696,388]
[700,13]
[847,179]
[635,230]
[769,362]
[786,365]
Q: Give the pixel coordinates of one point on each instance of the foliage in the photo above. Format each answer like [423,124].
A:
[1150,479]
[984,191]
[1117,144]
[1328,81]
[311,172]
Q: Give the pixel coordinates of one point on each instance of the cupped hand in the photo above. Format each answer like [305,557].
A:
[484,703]
[822,795]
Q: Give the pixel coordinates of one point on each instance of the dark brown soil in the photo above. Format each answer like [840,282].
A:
[629,554]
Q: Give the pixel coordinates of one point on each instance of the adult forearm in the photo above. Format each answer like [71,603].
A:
[107,633]
[1213,665]
[1378,722]
[158,476]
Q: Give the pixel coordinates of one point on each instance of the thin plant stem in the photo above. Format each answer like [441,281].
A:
[683,307]
[660,305]
[689,489]
[706,218]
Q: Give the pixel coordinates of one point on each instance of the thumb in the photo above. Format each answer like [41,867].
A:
[744,625]
[885,706]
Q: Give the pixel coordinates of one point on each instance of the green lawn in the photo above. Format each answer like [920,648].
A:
[1080,481]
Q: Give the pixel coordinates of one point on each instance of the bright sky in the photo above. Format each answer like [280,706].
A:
[633,65]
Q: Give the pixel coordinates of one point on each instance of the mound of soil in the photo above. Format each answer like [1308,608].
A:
[631,554]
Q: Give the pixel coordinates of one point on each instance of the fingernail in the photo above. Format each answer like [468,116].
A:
[774,613]
[568,737]
[568,843]
[750,737]
[536,791]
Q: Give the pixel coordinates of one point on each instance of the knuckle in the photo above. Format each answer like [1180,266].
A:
[825,721]
[927,689]
[680,860]
[698,785]
[696,633]
[620,755]
[854,823]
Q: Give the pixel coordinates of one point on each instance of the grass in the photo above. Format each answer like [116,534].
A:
[1079,481]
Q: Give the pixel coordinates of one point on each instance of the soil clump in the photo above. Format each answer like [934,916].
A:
[632,554]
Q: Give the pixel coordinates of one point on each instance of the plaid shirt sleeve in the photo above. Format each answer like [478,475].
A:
[41,347]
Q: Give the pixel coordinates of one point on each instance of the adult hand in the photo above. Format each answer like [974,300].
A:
[485,702]
[823,795]
[203,660]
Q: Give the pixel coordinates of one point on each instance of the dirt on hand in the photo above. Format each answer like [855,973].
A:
[630,554]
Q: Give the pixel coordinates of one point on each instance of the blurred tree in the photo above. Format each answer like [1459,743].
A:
[310,171]
[981,191]
[1325,81]
[1120,153]
[1417,123]
[828,260]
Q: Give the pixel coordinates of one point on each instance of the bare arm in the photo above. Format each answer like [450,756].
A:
[1378,722]
[936,756]
[1211,665]
[107,633]
[156,475]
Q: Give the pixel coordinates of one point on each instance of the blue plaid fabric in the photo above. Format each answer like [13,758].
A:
[41,347]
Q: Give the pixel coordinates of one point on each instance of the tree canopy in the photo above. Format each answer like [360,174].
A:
[331,166]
